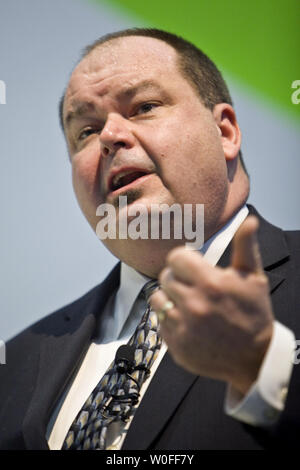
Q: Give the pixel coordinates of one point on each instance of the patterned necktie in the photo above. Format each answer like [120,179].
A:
[116,395]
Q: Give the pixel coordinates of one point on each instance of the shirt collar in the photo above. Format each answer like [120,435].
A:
[214,248]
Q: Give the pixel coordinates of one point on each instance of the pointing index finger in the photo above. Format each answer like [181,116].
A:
[246,255]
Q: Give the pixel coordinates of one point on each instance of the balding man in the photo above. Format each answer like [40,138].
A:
[148,120]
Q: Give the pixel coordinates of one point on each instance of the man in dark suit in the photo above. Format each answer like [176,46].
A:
[148,116]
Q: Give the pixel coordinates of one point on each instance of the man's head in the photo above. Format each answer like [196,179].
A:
[132,112]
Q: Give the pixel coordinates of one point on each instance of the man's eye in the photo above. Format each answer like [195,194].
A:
[146,108]
[85,133]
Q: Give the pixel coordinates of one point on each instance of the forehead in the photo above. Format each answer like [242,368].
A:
[133,50]
[122,61]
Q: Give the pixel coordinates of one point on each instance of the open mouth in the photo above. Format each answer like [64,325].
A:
[124,178]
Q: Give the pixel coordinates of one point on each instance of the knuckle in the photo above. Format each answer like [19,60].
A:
[163,276]
[195,306]
[156,299]
[214,287]
[191,305]
[262,281]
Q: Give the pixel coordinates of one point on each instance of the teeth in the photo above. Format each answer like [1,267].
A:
[120,175]
[116,181]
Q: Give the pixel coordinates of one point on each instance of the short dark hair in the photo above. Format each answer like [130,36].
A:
[196,67]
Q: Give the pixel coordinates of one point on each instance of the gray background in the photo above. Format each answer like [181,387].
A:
[49,254]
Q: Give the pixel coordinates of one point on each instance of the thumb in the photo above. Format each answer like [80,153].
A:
[246,255]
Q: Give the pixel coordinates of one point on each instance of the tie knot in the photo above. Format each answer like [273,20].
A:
[149,288]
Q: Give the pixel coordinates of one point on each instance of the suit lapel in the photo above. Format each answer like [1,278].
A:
[60,356]
[272,247]
[55,369]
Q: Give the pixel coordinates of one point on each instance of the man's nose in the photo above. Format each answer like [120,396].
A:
[115,134]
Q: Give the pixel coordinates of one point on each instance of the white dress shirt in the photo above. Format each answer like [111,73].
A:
[260,407]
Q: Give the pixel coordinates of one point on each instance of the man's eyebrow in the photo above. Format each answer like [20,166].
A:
[129,92]
[79,111]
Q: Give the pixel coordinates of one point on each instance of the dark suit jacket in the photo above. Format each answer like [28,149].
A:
[186,411]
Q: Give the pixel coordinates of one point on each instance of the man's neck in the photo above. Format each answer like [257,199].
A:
[212,249]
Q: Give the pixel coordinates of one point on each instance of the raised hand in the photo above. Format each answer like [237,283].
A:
[218,322]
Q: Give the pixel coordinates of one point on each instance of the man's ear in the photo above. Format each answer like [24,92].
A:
[229,130]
